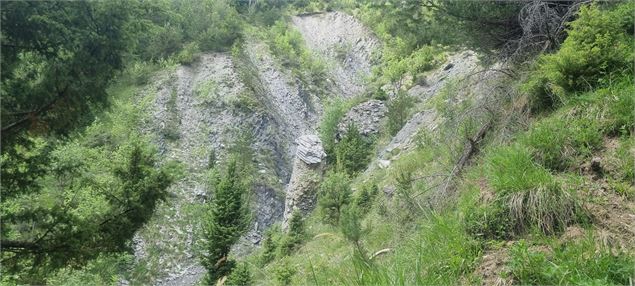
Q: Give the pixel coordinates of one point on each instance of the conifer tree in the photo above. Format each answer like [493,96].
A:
[227,220]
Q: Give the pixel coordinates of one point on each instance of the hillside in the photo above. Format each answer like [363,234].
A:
[318,142]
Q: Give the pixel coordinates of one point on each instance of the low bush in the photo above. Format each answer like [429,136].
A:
[335,193]
[364,198]
[598,49]
[240,276]
[398,112]
[188,54]
[353,151]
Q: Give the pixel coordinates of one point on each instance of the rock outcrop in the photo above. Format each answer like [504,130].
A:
[365,116]
[308,166]
[344,43]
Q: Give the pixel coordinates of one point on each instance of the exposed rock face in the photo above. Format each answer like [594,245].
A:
[365,116]
[344,43]
[305,178]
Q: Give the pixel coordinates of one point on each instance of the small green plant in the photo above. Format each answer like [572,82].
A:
[353,151]
[284,272]
[207,92]
[226,221]
[335,192]
[270,244]
[560,142]
[352,230]
[598,49]
[295,236]
[170,128]
[364,198]
[333,113]
[398,112]
[188,54]
[240,276]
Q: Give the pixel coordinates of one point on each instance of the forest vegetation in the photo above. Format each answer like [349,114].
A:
[526,177]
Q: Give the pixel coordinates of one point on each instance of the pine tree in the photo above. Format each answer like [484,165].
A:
[353,151]
[335,193]
[227,220]
[240,276]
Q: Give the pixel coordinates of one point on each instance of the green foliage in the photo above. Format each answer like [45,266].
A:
[287,44]
[103,270]
[89,201]
[572,263]
[270,244]
[527,197]
[352,151]
[335,192]
[284,272]
[558,143]
[240,276]
[484,26]
[512,169]
[396,63]
[57,60]
[439,253]
[398,112]
[170,129]
[220,25]
[188,54]
[598,49]
[364,198]
[226,221]
[295,235]
[334,111]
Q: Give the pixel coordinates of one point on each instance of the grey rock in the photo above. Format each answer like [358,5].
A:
[308,167]
[365,116]
[310,149]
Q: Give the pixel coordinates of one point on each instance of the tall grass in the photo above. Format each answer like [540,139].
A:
[571,263]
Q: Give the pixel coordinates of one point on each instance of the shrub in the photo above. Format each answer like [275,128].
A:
[364,199]
[223,27]
[398,112]
[288,45]
[511,169]
[240,276]
[333,113]
[598,49]
[572,263]
[618,103]
[421,60]
[170,130]
[353,151]
[270,244]
[227,220]
[188,54]
[294,236]
[335,192]
[284,272]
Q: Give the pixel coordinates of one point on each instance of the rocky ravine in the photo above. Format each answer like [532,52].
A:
[204,107]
